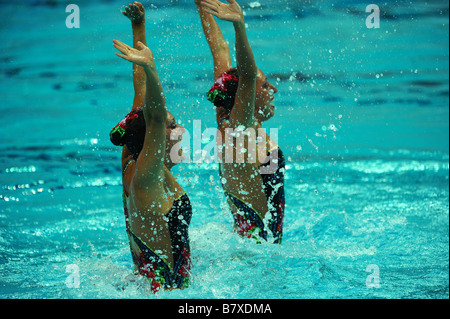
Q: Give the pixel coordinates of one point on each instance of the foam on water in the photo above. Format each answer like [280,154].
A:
[333,230]
[362,120]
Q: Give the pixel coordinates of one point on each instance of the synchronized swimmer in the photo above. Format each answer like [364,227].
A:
[157,210]
[243,98]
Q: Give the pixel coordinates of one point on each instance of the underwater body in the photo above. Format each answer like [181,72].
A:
[361,117]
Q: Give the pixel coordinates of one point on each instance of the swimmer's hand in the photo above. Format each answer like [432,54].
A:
[135,12]
[229,12]
[141,56]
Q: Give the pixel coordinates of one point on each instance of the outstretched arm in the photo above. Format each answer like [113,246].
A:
[217,44]
[136,13]
[150,163]
[243,110]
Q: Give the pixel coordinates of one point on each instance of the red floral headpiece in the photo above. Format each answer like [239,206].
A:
[120,129]
[224,89]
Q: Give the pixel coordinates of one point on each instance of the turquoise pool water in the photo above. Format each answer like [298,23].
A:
[362,117]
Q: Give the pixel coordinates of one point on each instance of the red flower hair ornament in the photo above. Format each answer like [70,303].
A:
[117,133]
[223,92]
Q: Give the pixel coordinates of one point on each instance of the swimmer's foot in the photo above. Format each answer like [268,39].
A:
[135,12]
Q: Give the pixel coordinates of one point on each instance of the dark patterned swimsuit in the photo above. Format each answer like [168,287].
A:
[248,222]
[154,267]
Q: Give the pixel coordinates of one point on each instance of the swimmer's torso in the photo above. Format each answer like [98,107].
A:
[252,194]
[158,232]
